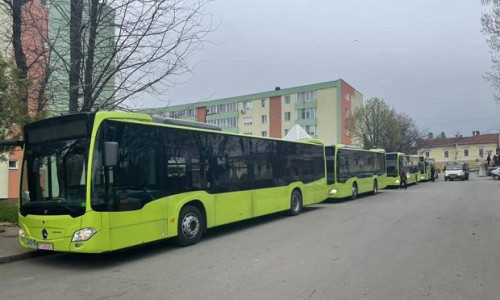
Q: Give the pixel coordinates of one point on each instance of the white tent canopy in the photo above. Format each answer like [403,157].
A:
[297,133]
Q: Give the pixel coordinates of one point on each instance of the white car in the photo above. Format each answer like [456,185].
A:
[496,173]
[456,171]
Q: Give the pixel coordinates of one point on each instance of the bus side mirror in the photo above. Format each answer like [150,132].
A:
[110,154]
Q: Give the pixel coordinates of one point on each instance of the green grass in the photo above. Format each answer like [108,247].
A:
[8,212]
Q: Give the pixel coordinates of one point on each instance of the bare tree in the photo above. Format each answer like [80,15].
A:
[377,125]
[103,52]
[490,21]
[29,54]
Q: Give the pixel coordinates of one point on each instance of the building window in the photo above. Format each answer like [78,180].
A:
[288,116]
[221,108]
[306,96]
[446,154]
[287,99]
[347,113]
[247,105]
[264,133]
[481,153]
[263,102]
[311,129]
[13,164]
[247,121]
[466,152]
[427,154]
[225,123]
[264,119]
[286,131]
[181,114]
[306,113]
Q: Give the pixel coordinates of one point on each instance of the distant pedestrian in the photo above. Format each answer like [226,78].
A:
[495,160]
[488,159]
[403,181]
[433,171]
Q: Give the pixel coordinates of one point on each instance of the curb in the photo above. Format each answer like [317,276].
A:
[25,255]
[11,258]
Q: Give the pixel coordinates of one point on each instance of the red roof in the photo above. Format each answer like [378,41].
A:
[466,140]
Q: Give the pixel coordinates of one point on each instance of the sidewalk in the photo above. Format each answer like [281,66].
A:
[10,249]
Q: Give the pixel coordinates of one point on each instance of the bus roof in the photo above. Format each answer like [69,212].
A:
[344,146]
[178,123]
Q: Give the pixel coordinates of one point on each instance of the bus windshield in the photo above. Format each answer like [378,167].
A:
[53,178]
[392,165]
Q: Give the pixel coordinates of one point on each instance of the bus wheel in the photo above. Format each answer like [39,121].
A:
[354,191]
[295,203]
[190,226]
[375,187]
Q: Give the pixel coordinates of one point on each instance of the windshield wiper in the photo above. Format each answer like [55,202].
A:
[59,201]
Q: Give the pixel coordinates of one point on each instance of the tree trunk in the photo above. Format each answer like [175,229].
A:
[75,42]
[17,44]
[88,101]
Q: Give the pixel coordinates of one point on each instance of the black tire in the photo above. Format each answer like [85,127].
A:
[354,191]
[375,187]
[190,226]
[295,203]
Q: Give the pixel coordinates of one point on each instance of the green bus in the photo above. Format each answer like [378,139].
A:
[98,182]
[413,171]
[352,171]
[398,160]
[425,168]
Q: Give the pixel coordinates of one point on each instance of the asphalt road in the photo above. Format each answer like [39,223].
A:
[433,241]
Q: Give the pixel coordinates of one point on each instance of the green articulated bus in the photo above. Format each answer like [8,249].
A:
[425,165]
[398,160]
[352,171]
[103,181]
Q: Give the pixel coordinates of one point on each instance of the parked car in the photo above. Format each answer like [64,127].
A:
[454,171]
[496,173]
[489,169]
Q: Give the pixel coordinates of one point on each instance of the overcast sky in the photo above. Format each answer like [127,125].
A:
[425,58]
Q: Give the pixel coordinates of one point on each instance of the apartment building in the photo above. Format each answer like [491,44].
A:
[320,108]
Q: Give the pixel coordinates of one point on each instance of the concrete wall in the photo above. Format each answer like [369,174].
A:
[4,179]
[327,115]
[15,174]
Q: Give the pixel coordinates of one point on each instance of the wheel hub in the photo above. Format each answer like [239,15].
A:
[190,225]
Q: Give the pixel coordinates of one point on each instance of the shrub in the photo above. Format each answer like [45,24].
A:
[8,212]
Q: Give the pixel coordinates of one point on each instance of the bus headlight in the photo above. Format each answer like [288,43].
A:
[83,234]
[22,233]
[332,192]
[397,181]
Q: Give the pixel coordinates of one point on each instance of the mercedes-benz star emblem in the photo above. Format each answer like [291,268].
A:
[45,234]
